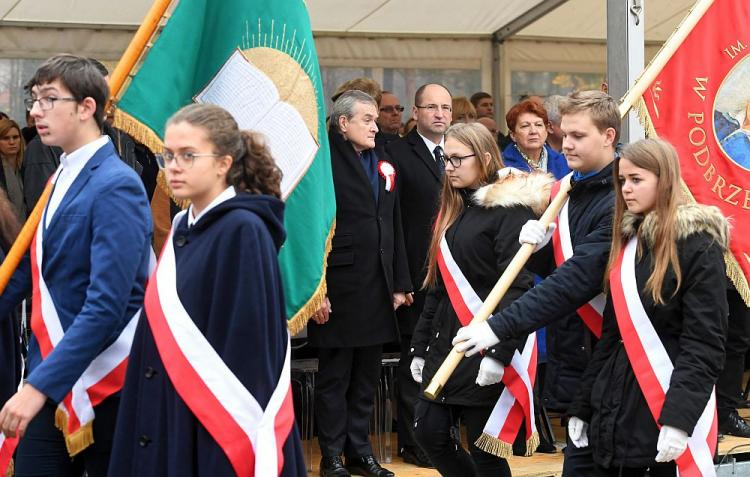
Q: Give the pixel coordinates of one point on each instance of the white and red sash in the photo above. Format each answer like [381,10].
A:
[516,403]
[591,312]
[102,378]
[653,367]
[252,438]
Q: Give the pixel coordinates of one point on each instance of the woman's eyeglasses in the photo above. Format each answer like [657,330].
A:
[455,161]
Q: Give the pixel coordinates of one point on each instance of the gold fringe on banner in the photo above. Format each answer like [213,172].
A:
[300,319]
[734,271]
[150,139]
[11,470]
[80,439]
[493,445]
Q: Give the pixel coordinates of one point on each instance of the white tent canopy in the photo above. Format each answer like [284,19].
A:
[496,41]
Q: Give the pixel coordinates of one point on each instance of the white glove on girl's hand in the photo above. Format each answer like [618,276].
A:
[578,432]
[490,371]
[533,232]
[416,366]
[474,338]
[671,444]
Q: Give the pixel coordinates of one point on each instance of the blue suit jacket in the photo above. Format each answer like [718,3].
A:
[95,264]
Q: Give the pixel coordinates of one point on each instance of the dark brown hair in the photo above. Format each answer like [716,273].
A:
[77,74]
[253,168]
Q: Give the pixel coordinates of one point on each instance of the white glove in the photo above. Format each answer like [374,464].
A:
[533,232]
[490,371]
[416,366]
[577,432]
[474,338]
[671,444]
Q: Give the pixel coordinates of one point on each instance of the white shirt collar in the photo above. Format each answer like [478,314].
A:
[75,161]
[228,193]
[431,145]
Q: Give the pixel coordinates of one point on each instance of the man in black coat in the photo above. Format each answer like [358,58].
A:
[389,119]
[367,279]
[591,127]
[419,163]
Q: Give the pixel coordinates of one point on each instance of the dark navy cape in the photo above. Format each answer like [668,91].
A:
[229,282]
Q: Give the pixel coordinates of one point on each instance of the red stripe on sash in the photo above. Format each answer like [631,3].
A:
[463,312]
[191,388]
[37,323]
[591,318]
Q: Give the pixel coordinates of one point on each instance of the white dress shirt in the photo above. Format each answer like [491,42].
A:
[70,166]
[228,193]
[431,145]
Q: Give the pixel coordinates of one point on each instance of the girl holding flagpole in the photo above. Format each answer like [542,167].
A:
[208,385]
[474,239]
[646,402]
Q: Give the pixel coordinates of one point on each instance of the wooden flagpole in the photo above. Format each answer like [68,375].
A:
[116,81]
[498,291]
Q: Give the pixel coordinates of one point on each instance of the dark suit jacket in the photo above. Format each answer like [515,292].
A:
[367,262]
[419,179]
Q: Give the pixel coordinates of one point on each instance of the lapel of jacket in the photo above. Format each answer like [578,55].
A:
[80,181]
[420,149]
[354,162]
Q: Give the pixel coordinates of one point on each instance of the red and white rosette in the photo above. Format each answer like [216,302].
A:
[388,173]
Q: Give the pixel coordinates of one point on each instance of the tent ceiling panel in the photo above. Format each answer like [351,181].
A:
[427,17]
[79,12]
[587,19]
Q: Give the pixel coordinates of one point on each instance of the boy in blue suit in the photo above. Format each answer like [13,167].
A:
[88,266]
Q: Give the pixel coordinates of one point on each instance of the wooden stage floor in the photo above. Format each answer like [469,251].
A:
[538,465]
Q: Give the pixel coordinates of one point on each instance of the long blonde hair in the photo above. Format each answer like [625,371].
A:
[479,139]
[660,158]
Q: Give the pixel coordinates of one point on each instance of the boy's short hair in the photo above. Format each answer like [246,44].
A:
[79,75]
[601,108]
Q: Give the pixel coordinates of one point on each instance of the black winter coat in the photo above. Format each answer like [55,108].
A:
[483,241]
[367,262]
[553,302]
[419,194]
[692,327]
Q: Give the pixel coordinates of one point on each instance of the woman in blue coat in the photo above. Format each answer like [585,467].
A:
[207,390]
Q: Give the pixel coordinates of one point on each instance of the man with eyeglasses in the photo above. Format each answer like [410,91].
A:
[389,119]
[420,164]
[87,271]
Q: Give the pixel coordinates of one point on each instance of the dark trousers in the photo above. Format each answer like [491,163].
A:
[668,469]
[437,434]
[42,451]
[729,386]
[578,462]
[408,394]
[345,388]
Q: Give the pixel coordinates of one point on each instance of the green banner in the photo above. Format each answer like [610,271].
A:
[258,60]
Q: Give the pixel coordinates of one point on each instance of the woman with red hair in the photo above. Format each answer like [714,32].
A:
[527,126]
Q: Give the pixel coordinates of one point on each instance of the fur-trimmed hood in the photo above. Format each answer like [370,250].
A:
[528,189]
[691,219]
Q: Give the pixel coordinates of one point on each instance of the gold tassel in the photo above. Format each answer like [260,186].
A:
[78,441]
[493,445]
[299,320]
[11,468]
[644,118]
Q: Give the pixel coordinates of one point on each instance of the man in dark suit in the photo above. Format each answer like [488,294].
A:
[367,278]
[419,163]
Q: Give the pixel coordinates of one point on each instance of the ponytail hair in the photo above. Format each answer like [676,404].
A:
[253,169]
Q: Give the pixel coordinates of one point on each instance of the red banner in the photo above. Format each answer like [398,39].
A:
[700,102]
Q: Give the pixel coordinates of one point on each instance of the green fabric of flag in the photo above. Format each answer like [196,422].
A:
[276,37]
